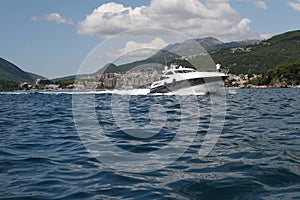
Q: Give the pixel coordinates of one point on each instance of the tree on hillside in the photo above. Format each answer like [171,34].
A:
[288,73]
[282,76]
[7,85]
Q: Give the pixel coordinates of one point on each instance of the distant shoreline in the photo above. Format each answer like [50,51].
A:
[126,90]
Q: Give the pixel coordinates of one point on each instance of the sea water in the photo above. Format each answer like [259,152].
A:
[43,155]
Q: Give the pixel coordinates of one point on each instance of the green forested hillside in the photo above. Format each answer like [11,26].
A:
[11,76]
[263,56]
[9,71]
[282,76]
[245,57]
[7,85]
[253,57]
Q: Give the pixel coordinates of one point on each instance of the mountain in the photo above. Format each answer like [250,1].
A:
[178,50]
[35,76]
[192,46]
[236,44]
[108,68]
[249,56]
[262,56]
[10,72]
[184,49]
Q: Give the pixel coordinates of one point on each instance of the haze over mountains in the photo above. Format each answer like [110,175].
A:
[250,56]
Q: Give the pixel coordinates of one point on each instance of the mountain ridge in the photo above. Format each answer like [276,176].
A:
[166,55]
[11,72]
[263,56]
[177,50]
[260,57]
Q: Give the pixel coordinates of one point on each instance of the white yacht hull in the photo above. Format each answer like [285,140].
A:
[202,89]
[187,81]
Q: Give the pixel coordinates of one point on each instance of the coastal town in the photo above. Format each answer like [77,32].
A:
[130,80]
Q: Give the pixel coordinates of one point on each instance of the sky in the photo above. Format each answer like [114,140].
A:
[53,38]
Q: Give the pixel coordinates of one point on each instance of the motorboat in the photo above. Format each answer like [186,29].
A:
[188,81]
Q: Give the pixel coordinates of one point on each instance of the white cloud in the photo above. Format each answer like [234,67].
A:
[295,5]
[155,44]
[133,51]
[257,3]
[261,4]
[110,19]
[213,18]
[266,36]
[53,17]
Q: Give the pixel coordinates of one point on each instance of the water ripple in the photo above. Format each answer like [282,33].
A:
[256,156]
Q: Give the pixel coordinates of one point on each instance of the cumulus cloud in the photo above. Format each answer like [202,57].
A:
[295,5]
[110,19]
[155,44]
[133,50]
[257,3]
[53,17]
[213,18]
[266,36]
[261,4]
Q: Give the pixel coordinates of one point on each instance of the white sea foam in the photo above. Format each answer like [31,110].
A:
[231,91]
[117,92]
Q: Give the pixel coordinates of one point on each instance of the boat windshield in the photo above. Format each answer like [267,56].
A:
[169,73]
[179,71]
[189,71]
[184,71]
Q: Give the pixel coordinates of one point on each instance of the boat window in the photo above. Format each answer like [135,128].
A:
[163,77]
[169,73]
[179,72]
[189,71]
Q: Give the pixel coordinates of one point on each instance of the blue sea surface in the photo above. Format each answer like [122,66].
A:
[257,155]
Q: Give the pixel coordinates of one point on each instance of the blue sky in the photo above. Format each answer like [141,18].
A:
[53,37]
